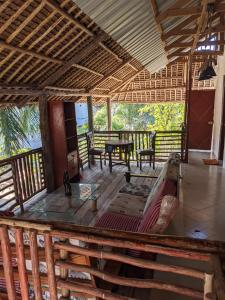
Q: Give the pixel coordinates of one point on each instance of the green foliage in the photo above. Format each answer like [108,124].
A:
[159,116]
[82,129]
[167,116]
[15,126]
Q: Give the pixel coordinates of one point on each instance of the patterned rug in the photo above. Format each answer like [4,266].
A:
[136,189]
[211,162]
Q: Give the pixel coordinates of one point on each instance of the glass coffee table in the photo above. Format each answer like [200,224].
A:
[75,209]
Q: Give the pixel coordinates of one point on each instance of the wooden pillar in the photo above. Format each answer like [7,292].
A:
[90,114]
[46,143]
[109,114]
[187,105]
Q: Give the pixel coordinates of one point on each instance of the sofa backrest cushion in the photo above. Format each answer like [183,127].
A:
[169,171]
[150,216]
[169,206]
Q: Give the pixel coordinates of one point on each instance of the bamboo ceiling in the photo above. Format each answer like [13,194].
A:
[51,48]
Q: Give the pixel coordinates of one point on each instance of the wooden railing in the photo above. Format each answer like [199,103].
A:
[166,142]
[57,252]
[21,177]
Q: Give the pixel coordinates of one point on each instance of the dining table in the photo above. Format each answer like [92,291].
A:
[123,148]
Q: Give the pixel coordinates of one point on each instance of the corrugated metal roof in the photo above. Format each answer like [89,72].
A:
[131,23]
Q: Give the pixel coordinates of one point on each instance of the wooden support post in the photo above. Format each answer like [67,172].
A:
[46,143]
[109,114]
[90,114]
[187,105]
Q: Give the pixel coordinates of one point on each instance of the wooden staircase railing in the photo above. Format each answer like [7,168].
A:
[65,248]
[21,177]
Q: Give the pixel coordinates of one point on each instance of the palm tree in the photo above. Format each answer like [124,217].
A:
[16,125]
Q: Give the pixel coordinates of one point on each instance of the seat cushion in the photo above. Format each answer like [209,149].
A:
[150,217]
[127,204]
[118,221]
[145,151]
[95,151]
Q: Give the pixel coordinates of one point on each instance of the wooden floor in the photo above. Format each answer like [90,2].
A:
[110,184]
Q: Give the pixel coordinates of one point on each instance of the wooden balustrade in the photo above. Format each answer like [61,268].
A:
[165,143]
[66,248]
[21,177]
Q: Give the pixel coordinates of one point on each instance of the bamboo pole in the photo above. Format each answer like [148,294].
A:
[133,282]
[35,265]
[96,292]
[50,266]
[21,263]
[208,287]
[7,263]
[63,271]
[174,252]
[138,262]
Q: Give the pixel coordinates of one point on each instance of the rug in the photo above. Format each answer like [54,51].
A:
[211,162]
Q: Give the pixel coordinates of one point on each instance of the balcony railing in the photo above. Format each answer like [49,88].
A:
[166,142]
[71,261]
[21,177]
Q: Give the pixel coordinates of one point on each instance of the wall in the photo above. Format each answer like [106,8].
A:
[218,105]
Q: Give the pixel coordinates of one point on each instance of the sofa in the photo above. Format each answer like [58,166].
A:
[159,208]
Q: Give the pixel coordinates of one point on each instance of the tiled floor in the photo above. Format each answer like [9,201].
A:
[202,210]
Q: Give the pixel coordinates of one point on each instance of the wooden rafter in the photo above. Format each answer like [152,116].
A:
[201,22]
[187,11]
[197,53]
[48,92]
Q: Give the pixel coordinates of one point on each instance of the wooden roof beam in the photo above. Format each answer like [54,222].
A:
[46,92]
[149,90]
[187,11]
[5,45]
[188,32]
[87,69]
[179,27]
[45,57]
[201,23]
[57,7]
[93,45]
[200,53]
[110,74]
[177,4]
[189,44]
[66,15]
[127,81]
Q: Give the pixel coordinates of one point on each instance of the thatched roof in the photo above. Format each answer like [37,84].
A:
[50,47]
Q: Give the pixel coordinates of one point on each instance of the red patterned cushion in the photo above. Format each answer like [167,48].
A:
[118,221]
[6,213]
[168,187]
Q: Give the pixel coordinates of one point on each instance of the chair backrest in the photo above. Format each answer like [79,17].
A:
[90,139]
[152,137]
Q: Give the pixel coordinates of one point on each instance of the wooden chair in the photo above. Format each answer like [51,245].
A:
[149,152]
[92,152]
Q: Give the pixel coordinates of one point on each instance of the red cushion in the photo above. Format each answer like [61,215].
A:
[118,221]
[6,213]
[168,187]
